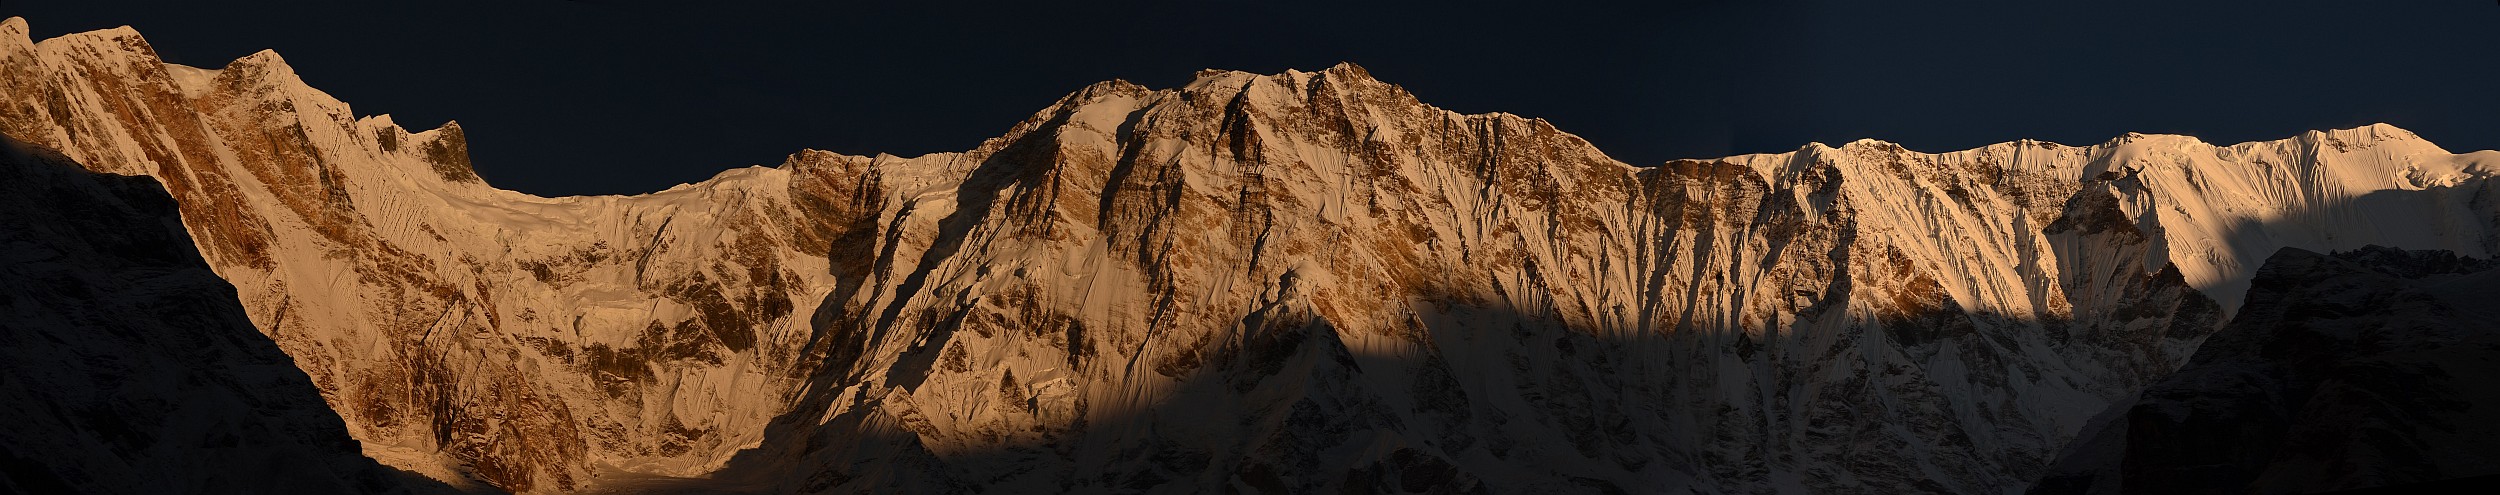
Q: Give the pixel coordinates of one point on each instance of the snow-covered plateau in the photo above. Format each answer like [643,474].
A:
[1282,283]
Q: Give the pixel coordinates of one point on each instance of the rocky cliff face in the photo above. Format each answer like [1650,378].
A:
[2353,370]
[126,366]
[1293,282]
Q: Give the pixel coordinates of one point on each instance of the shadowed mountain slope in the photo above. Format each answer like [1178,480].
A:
[126,365]
[2351,370]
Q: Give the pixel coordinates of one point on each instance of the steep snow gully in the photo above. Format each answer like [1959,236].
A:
[1308,281]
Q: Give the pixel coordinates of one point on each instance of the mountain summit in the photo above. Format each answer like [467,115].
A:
[1298,282]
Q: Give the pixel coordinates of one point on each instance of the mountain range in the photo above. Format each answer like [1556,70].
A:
[1296,282]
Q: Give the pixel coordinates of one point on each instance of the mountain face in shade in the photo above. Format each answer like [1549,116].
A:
[1309,281]
[2352,370]
[126,365]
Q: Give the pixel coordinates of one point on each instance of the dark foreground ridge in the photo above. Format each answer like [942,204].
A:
[126,366]
[2361,369]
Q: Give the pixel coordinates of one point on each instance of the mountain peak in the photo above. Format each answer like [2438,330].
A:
[265,59]
[446,150]
[2374,133]
[262,69]
[269,74]
[120,45]
[13,32]
[1110,88]
[1872,144]
[1342,72]
[1349,70]
[113,38]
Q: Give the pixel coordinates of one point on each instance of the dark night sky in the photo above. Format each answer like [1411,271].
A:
[625,96]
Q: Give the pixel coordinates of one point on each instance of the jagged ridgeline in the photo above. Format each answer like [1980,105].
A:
[1299,282]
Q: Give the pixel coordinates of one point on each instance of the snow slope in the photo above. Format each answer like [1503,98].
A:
[1292,282]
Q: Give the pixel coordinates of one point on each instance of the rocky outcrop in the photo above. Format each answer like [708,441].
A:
[1305,281]
[126,366]
[2350,370]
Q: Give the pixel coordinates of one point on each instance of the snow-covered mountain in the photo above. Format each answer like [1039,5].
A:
[1292,282]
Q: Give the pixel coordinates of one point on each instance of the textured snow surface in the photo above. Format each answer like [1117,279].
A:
[1307,281]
